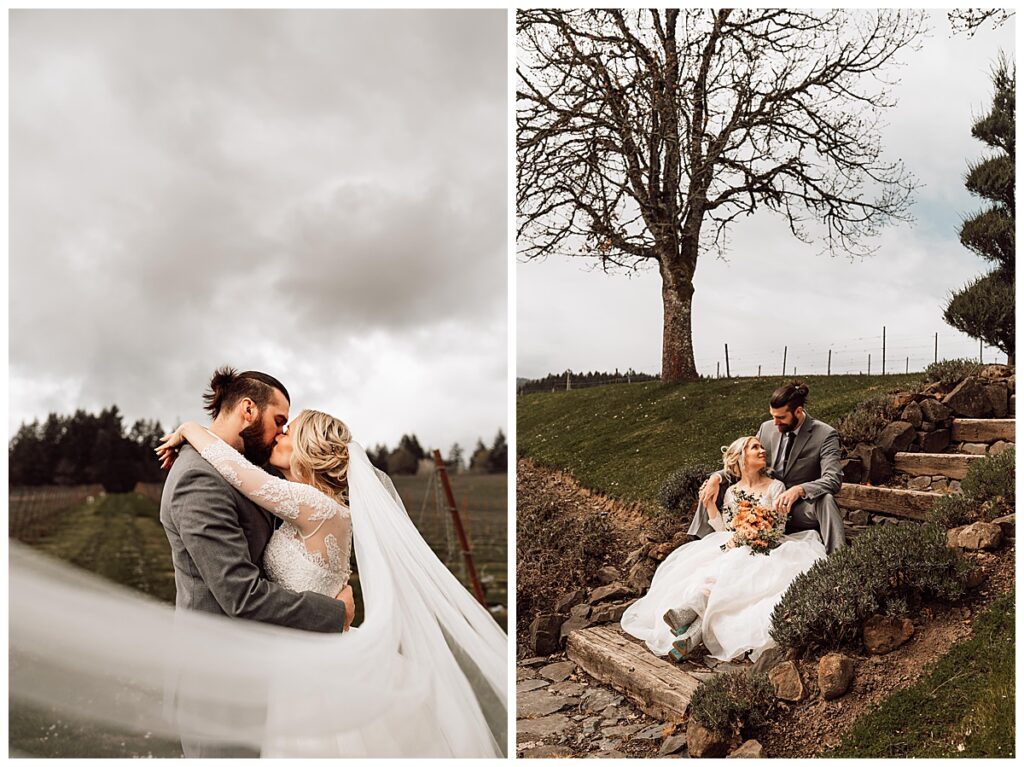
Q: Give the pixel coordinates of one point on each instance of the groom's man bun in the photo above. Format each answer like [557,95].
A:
[228,387]
[792,395]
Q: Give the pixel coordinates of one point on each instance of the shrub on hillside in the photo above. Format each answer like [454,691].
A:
[866,422]
[679,492]
[950,372]
[730,703]
[556,552]
[987,492]
[886,570]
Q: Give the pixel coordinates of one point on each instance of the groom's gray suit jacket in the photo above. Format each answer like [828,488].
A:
[217,538]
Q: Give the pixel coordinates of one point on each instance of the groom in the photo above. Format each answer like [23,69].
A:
[217,535]
[805,455]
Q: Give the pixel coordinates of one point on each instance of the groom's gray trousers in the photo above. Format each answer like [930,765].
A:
[815,463]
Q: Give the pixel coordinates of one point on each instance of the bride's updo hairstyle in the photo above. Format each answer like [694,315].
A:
[792,395]
[320,452]
[732,457]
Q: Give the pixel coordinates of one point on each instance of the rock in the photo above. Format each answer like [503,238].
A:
[953,537]
[935,411]
[703,743]
[859,517]
[662,550]
[673,744]
[913,415]
[968,400]
[995,372]
[1007,524]
[769,659]
[883,634]
[954,486]
[608,575]
[635,556]
[940,485]
[609,613]
[547,752]
[607,754]
[556,672]
[580,611]
[998,399]
[980,535]
[567,601]
[544,634]
[975,577]
[853,470]
[787,682]
[529,685]
[641,574]
[925,426]
[533,662]
[571,625]
[750,749]
[544,727]
[877,468]
[610,592]
[654,732]
[974,448]
[531,705]
[599,699]
[589,725]
[919,483]
[896,437]
[999,446]
[934,441]
[902,399]
[835,673]
[620,731]
[566,687]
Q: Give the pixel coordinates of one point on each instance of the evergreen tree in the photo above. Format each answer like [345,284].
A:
[497,461]
[410,443]
[480,459]
[454,461]
[984,308]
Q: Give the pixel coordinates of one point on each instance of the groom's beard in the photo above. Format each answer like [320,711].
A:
[254,448]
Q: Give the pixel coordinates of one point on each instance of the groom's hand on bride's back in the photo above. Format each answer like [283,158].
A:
[345,597]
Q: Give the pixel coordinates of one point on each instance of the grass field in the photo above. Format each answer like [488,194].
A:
[625,439]
[962,707]
[120,538]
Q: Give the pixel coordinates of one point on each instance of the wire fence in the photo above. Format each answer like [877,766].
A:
[36,512]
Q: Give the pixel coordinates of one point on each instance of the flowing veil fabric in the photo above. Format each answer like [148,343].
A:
[423,675]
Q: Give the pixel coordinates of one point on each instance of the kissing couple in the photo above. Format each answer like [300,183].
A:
[761,521]
[258,657]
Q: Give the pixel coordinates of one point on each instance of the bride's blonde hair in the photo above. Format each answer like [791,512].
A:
[320,452]
[732,456]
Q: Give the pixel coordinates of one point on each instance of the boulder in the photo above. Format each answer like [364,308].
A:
[968,400]
[934,441]
[999,399]
[853,470]
[913,415]
[573,624]
[1007,524]
[662,550]
[608,575]
[835,673]
[609,613]
[996,372]
[953,537]
[935,411]
[975,577]
[859,517]
[877,468]
[545,634]
[785,678]
[974,448]
[567,601]
[999,446]
[673,744]
[557,672]
[883,634]
[610,592]
[768,660]
[896,437]
[901,399]
[919,483]
[980,535]
[704,743]
[750,749]
[641,574]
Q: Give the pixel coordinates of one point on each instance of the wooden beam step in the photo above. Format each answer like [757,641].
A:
[659,687]
[951,465]
[894,501]
[984,429]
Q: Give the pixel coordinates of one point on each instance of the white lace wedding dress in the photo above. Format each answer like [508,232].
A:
[734,590]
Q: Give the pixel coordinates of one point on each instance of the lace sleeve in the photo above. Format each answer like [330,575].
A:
[303,505]
[774,491]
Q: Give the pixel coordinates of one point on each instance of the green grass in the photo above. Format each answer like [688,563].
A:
[625,439]
[962,707]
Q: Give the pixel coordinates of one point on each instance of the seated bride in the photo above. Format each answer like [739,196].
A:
[720,591]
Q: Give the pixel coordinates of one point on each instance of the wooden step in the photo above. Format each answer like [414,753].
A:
[894,501]
[984,429]
[950,465]
[660,688]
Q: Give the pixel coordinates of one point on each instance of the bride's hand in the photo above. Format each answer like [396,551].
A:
[709,492]
[167,450]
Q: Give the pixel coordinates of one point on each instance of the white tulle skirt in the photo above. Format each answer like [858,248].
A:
[734,591]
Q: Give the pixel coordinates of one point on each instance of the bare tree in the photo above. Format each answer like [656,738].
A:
[643,134]
[969,20]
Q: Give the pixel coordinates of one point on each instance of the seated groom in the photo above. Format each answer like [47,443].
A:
[805,455]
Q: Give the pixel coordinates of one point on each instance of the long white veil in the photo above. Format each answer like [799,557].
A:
[425,674]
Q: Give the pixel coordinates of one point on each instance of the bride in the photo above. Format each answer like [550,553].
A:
[715,591]
[424,675]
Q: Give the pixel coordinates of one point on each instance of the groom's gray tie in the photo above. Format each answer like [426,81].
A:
[789,438]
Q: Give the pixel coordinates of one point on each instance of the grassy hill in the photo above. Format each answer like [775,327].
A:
[625,439]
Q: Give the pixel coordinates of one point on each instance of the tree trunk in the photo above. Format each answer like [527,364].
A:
[677,363]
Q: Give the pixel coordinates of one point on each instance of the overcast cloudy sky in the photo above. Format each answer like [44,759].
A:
[320,195]
[570,316]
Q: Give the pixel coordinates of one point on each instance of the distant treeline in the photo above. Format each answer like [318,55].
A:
[85,449]
[571,380]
